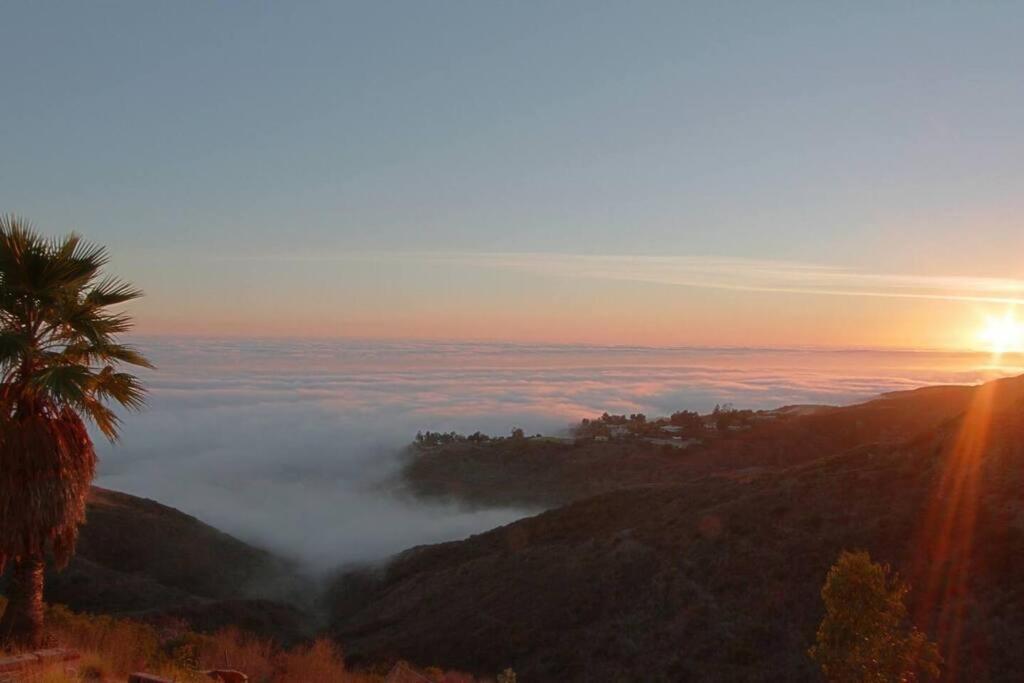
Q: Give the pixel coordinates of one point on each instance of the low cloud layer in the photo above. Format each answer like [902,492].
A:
[290,444]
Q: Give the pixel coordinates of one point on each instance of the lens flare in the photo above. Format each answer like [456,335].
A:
[944,560]
[1003,334]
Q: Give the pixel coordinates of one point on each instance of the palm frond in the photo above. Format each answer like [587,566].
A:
[97,328]
[122,387]
[64,384]
[111,291]
[13,345]
[105,419]
[49,463]
[72,262]
[101,353]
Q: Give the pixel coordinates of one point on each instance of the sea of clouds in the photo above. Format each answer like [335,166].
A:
[295,445]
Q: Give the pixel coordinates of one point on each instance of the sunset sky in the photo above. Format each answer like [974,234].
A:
[606,173]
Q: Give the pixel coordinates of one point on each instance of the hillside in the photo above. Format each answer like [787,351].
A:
[136,556]
[717,576]
[547,473]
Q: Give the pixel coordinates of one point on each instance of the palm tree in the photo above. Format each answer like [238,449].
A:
[59,368]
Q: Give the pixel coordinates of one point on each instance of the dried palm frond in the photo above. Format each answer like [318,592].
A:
[46,466]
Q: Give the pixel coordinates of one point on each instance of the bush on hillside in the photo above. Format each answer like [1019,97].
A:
[866,634]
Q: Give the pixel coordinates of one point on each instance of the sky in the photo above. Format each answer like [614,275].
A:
[613,173]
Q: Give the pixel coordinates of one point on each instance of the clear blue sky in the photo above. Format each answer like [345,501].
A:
[881,137]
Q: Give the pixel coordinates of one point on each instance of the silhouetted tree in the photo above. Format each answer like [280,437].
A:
[689,420]
[59,366]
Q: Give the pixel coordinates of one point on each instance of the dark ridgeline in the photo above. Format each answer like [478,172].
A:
[713,571]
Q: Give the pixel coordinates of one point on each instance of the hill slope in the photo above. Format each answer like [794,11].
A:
[549,473]
[718,577]
[136,556]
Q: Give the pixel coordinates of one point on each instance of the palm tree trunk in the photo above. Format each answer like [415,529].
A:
[22,623]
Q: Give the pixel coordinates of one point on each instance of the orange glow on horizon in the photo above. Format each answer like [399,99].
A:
[607,317]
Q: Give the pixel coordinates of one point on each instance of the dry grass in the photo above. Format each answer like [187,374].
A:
[315,663]
[111,648]
[123,645]
[230,649]
[57,676]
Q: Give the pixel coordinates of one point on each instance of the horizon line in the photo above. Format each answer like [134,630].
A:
[193,336]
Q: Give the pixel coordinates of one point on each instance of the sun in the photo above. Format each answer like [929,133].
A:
[1003,334]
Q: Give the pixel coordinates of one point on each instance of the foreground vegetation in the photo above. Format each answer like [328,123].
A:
[61,366]
[112,648]
[866,634]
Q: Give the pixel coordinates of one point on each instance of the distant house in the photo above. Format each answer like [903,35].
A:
[672,429]
[618,430]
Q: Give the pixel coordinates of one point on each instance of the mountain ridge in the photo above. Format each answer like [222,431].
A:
[717,576]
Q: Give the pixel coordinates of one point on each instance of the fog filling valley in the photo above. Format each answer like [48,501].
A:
[296,446]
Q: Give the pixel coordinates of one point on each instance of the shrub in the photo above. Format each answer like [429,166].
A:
[866,635]
[114,647]
[231,648]
[92,667]
[319,662]
[124,645]
[57,676]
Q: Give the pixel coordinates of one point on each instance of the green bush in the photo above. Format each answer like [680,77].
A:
[866,635]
